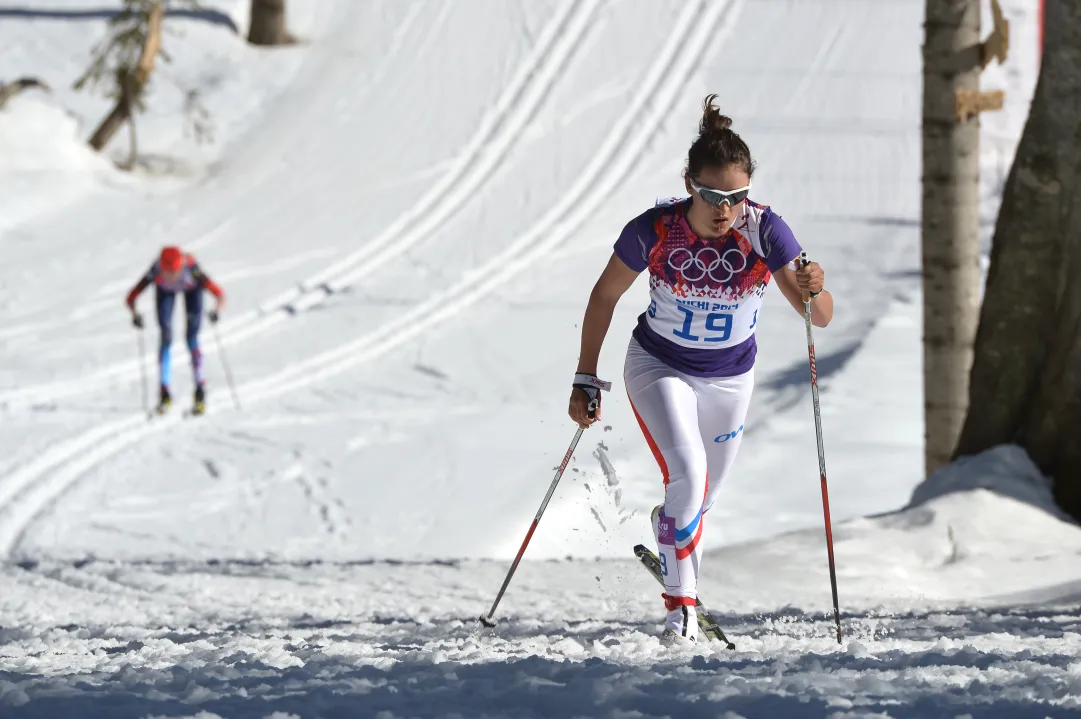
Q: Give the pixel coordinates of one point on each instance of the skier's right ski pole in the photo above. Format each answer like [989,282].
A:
[225,364]
[142,371]
[487,620]
[821,454]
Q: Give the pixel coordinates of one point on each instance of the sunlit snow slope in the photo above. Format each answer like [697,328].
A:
[408,211]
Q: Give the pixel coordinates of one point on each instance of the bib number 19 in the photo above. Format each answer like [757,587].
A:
[719,323]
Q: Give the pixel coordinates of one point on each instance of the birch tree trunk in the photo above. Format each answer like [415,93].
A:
[950,221]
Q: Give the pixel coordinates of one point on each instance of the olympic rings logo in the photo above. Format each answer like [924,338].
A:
[701,265]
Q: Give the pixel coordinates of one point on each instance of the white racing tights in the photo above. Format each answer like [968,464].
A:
[694,426]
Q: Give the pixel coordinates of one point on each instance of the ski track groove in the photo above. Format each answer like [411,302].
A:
[532,86]
[675,63]
[605,170]
[497,136]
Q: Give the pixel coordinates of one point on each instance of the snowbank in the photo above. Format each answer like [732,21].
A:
[1006,470]
[38,135]
[44,159]
[977,532]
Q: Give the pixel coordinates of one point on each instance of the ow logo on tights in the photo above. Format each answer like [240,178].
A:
[731,435]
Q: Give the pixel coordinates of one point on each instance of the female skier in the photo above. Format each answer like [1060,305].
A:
[171,273]
[690,363]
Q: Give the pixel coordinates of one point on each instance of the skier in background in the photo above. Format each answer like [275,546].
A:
[689,368]
[172,273]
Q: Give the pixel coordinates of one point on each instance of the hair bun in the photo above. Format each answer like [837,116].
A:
[717,145]
[712,119]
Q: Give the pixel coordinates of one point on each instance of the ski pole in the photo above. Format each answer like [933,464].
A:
[142,371]
[821,453]
[487,620]
[225,364]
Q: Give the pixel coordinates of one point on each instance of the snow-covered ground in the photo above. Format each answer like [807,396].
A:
[940,619]
[408,210]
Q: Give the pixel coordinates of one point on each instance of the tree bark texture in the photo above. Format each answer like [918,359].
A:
[1026,377]
[133,86]
[268,23]
[950,221]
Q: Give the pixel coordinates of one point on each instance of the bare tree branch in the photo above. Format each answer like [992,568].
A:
[123,64]
[11,89]
[131,77]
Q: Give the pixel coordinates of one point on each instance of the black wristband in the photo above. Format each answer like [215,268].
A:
[592,386]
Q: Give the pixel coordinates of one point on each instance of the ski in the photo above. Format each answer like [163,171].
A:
[706,622]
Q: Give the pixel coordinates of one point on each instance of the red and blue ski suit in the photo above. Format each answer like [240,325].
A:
[191,281]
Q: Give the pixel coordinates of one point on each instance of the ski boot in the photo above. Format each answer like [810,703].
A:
[199,406]
[164,400]
[680,626]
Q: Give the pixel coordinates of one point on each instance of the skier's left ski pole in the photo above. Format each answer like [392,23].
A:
[225,364]
[821,454]
[487,620]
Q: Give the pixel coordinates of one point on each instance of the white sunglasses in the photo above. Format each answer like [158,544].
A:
[720,197]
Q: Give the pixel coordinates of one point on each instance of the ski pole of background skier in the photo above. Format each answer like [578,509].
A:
[821,454]
[142,370]
[487,620]
[225,363]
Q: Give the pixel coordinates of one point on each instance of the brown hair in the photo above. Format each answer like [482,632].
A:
[717,145]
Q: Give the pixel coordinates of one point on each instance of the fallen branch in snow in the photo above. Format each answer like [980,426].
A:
[124,62]
[11,89]
[132,80]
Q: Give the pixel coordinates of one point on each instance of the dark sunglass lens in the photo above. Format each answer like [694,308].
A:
[712,197]
[717,199]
